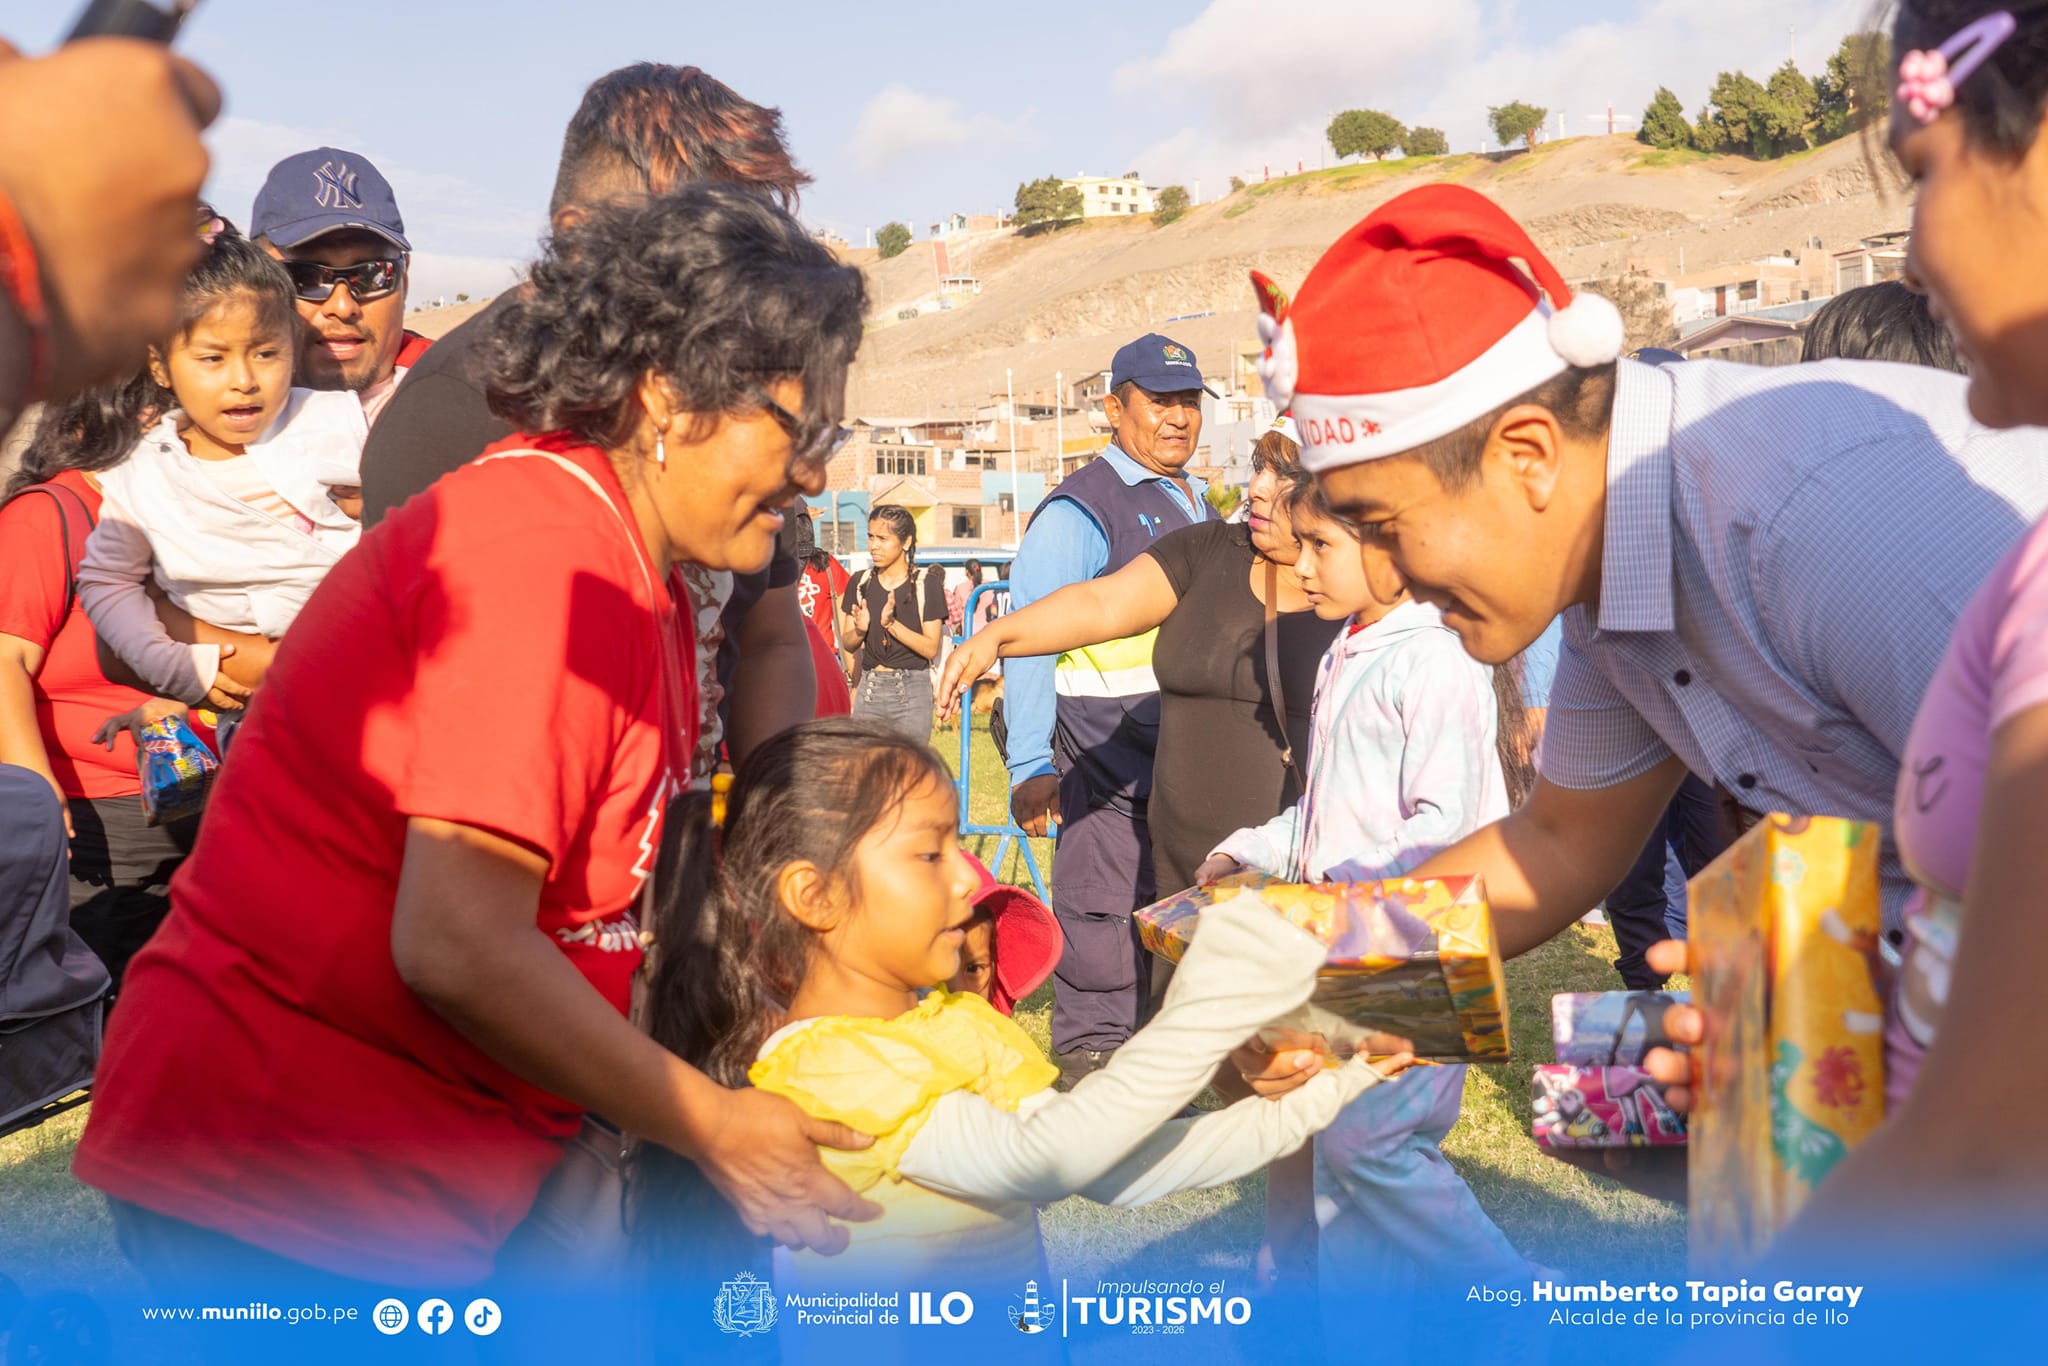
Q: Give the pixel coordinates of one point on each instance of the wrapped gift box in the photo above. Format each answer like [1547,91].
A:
[1414,958]
[1610,1028]
[1784,929]
[1601,1107]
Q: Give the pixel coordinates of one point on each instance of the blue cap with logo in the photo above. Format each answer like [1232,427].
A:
[1159,364]
[323,191]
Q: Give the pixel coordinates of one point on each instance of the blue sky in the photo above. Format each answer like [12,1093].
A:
[913,111]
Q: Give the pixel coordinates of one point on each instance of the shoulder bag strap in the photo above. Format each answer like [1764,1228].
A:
[1273,685]
[73,554]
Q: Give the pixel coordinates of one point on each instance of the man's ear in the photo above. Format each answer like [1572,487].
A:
[1528,442]
[810,896]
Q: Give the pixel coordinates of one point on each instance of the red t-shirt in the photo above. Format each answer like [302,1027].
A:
[818,589]
[834,697]
[72,695]
[488,655]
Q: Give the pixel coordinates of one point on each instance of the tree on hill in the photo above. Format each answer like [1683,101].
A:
[1047,201]
[1516,122]
[1426,142]
[1852,88]
[1664,125]
[1791,117]
[1734,119]
[892,240]
[1236,184]
[1358,131]
[1169,204]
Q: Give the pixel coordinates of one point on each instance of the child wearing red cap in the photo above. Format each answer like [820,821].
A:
[1012,943]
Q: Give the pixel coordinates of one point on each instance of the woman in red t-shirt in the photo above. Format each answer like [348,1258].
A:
[53,696]
[395,973]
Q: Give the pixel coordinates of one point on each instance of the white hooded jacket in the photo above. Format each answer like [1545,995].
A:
[1401,758]
[222,560]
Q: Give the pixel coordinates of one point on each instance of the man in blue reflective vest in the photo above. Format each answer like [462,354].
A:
[1083,728]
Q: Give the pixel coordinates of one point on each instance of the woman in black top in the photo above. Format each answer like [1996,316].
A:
[893,614]
[1221,757]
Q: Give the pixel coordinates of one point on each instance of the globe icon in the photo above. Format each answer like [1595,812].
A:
[391,1316]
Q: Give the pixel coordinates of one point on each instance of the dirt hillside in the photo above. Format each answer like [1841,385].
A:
[1064,301]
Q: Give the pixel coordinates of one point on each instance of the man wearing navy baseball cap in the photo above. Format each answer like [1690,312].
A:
[331,217]
[1083,728]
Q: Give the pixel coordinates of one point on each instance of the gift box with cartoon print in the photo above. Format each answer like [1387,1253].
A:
[1407,957]
[1784,929]
[1597,1095]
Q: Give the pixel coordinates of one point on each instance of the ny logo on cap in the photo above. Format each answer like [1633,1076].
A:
[336,187]
[1176,354]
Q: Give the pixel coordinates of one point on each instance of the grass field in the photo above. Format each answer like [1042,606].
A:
[54,1232]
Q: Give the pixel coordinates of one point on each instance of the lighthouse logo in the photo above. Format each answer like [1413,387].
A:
[1028,1315]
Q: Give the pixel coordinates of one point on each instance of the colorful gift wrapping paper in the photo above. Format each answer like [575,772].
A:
[1784,929]
[1601,1107]
[1597,1095]
[1608,1028]
[1414,958]
[176,770]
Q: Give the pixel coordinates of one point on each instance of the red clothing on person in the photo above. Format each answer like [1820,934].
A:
[834,697]
[72,696]
[491,655]
[817,589]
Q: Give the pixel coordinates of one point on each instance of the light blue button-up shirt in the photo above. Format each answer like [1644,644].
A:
[1784,556]
[1063,546]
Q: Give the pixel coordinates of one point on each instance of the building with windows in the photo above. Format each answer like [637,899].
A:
[1112,196]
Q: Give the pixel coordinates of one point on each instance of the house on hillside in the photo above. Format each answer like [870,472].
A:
[954,224]
[1112,196]
[1871,261]
[1743,287]
[955,477]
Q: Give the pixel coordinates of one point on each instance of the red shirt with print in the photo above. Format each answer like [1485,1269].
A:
[817,589]
[72,696]
[491,655]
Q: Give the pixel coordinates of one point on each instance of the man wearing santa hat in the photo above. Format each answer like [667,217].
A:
[1759,568]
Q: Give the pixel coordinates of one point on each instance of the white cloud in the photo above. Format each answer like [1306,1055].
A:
[1265,76]
[900,122]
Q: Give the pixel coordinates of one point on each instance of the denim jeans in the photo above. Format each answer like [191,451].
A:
[897,697]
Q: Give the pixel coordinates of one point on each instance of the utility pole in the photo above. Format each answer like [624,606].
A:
[1016,515]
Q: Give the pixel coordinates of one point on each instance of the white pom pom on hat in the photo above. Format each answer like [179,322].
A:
[1588,331]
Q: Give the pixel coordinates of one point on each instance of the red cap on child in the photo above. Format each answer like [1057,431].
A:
[1027,937]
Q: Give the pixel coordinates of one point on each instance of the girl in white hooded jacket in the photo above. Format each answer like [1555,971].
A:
[1402,763]
[229,499]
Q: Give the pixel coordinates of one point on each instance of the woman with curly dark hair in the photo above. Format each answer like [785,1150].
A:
[395,976]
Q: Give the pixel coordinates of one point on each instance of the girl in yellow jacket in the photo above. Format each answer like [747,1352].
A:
[808,960]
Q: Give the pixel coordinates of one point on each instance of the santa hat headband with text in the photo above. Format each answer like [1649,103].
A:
[1417,322]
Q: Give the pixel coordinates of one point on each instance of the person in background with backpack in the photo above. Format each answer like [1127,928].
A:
[895,614]
[54,697]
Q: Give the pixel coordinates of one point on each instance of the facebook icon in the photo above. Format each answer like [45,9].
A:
[436,1317]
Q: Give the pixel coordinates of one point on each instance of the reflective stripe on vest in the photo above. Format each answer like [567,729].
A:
[1115,668]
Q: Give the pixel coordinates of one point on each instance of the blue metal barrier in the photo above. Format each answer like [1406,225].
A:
[1009,831]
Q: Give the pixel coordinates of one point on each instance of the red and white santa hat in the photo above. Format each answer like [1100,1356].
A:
[1417,322]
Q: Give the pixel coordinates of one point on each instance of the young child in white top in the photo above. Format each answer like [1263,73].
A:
[230,500]
[1403,762]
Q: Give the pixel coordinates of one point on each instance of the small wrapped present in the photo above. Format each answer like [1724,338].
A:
[176,770]
[1609,1028]
[1413,958]
[1601,1107]
[1784,929]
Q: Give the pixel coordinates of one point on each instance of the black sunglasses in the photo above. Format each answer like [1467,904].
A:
[810,444]
[366,281]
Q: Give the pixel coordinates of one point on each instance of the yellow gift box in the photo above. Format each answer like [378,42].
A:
[1416,958]
[1785,930]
